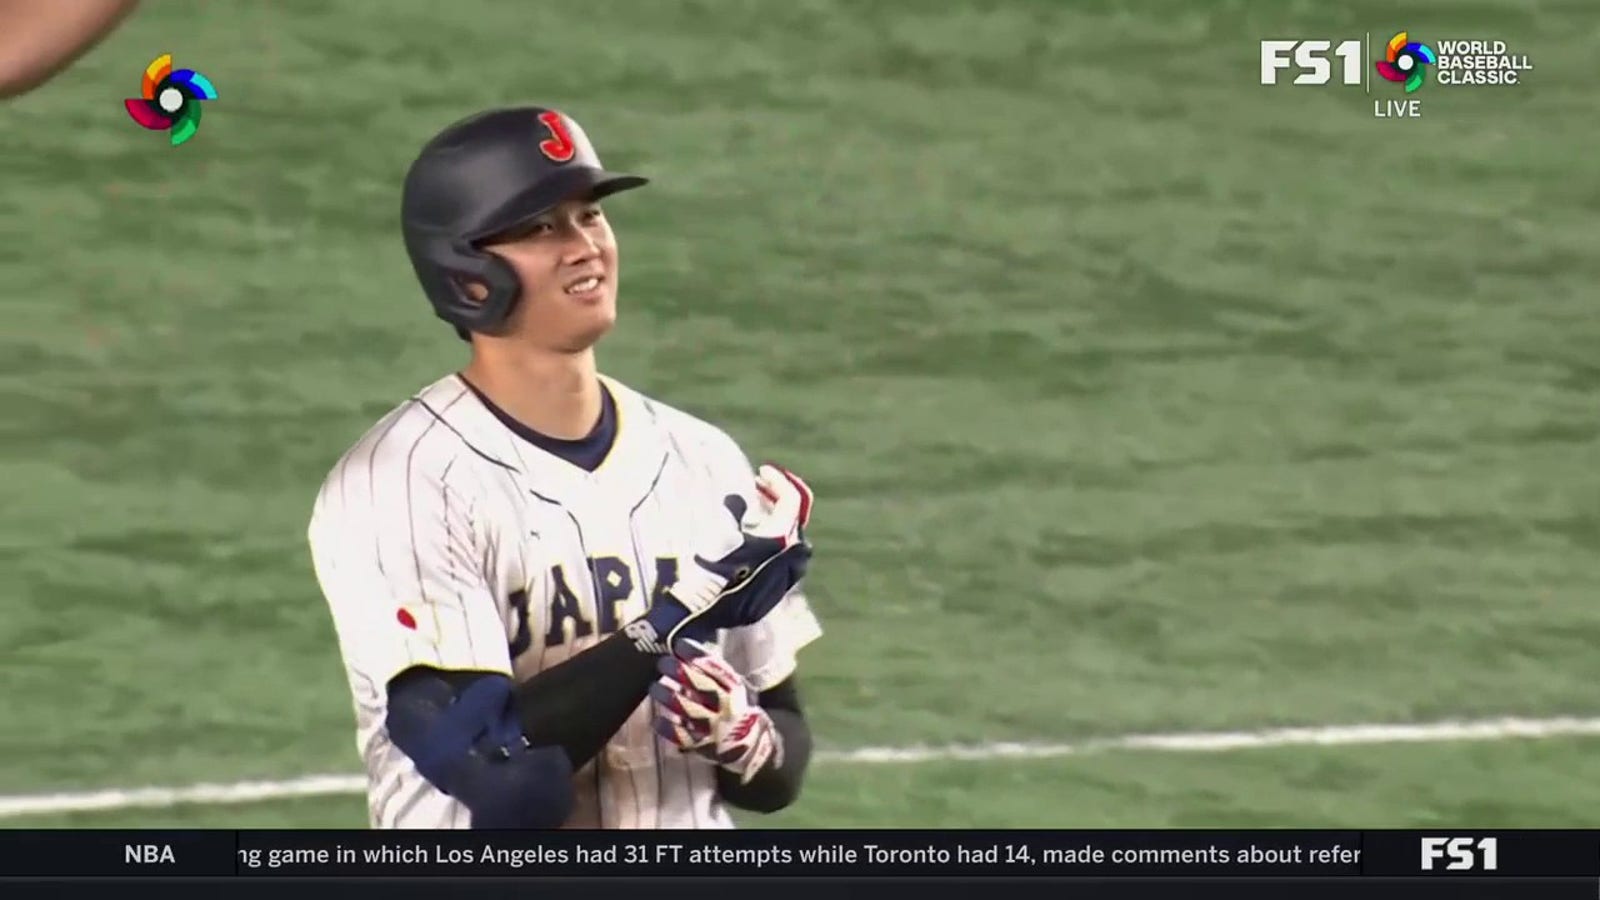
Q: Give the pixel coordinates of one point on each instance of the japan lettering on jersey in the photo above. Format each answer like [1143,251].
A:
[443,539]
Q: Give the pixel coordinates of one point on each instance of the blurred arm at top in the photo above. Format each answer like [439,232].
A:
[40,38]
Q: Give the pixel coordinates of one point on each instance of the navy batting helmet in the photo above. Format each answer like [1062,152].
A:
[483,176]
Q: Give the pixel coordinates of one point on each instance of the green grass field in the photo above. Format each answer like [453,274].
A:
[1139,397]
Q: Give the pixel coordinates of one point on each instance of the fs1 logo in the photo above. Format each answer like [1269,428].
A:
[1464,853]
[1310,59]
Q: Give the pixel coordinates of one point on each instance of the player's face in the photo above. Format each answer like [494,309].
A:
[567,262]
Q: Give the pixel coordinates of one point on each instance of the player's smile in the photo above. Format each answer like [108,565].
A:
[587,288]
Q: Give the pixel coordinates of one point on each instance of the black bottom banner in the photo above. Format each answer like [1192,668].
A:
[615,888]
[855,855]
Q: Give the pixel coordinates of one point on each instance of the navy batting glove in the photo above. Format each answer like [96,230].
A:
[744,583]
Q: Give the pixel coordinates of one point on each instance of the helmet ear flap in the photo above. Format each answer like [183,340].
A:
[496,280]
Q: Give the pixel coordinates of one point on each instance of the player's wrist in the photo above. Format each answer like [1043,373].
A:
[648,633]
[672,616]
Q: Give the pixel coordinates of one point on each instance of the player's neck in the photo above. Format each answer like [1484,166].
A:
[555,394]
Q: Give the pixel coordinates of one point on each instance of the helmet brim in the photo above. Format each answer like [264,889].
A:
[550,192]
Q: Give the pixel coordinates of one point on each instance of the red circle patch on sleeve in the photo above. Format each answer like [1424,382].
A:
[406,619]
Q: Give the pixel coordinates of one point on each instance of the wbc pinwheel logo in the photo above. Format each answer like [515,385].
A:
[170,100]
[1405,60]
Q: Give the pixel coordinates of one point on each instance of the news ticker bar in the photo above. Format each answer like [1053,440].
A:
[1031,853]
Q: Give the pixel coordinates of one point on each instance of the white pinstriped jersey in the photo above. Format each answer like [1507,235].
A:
[442,538]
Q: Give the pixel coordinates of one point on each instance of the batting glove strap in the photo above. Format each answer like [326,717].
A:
[696,592]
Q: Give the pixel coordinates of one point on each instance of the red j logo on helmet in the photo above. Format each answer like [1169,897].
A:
[559,146]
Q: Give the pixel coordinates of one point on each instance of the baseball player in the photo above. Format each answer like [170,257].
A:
[559,602]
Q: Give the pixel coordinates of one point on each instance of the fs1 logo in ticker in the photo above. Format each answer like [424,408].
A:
[1403,63]
[1460,854]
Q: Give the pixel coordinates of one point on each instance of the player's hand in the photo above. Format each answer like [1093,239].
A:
[704,706]
[743,579]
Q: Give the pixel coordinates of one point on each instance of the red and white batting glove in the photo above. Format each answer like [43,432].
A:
[704,706]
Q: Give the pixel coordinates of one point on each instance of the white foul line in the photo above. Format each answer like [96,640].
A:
[1180,742]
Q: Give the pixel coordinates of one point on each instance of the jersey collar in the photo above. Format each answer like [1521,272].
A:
[634,464]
